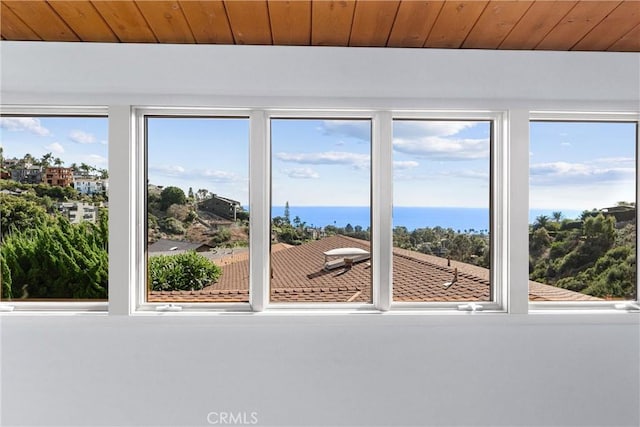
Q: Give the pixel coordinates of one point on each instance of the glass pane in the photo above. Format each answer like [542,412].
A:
[582,233]
[197,209]
[53,208]
[321,213]
[441,212]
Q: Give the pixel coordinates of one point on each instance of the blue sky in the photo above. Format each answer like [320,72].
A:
[73,140]
[573,166]
[581,165]
[211,154]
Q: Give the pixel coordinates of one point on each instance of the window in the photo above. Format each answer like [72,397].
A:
[53,208]
[361,210]
[321,211]
[583,216]
[442,210]
[197,194]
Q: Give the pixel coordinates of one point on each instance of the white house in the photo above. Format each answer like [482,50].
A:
[90,185]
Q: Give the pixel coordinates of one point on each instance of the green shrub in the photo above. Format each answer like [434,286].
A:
[182,272]
[172,226]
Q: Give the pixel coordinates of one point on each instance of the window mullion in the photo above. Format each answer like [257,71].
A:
[122,215]
[259,211]
[517,201]
[382,200]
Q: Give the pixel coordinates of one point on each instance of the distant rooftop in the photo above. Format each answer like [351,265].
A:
[165,245]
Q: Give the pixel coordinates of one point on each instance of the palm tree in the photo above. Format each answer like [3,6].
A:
[45,161]
[28,158]
[58,162]
[541,222]
[557,216]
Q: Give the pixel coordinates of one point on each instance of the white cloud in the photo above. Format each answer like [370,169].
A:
[410,129]
[470,174]
[565,173]
[104,142]
[218,176]
[28,124]
[565,144]
[55,147]
[82,137]
[356,160]
[167,170]
[301,173]
[437,148]
[450,177]
[359,129]
[405,164]
[176,171]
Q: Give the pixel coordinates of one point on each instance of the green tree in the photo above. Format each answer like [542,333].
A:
[45,161]
[287,215]
[541,222]
[170,196]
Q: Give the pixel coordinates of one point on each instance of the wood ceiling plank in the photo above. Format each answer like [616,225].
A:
[630,42]
[536,23]
[495,23]
[372,22]
[413,23]
[14,28]
[39,16]
[208,21]
[249,21]
[290,22]
[84,20]
[619,22]
[126,21]
[167,21]
[454,23]
[576,24]
[331,22]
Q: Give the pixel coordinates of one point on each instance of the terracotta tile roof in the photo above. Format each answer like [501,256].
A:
[298,275]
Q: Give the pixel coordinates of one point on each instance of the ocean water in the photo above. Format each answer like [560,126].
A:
[410,217]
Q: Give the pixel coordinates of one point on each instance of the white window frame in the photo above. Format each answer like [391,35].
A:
[127,212]
[376,242]
[498,202]
[381,181]
[140,303]
[604,117]
[69,306]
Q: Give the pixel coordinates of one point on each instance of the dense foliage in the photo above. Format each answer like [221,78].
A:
[56,259]
[468,246]
[592,255]
[187,271]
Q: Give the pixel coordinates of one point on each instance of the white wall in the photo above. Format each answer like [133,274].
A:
[375,369]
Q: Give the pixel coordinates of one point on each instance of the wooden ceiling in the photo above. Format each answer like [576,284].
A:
[546,25]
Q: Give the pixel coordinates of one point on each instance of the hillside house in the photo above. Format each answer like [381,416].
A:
[58,176]
[77,212]
[90,185]
[28,174]
[221,206]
